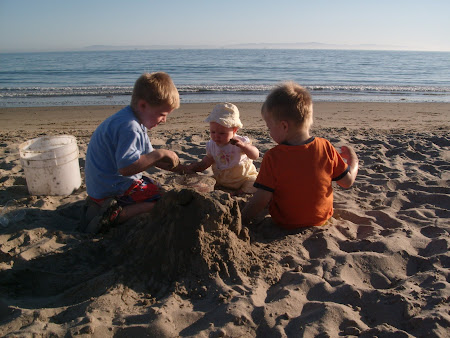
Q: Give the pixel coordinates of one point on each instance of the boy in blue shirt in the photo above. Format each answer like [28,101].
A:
[120,150]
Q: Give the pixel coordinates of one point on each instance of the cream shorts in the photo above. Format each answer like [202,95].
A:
[239,177]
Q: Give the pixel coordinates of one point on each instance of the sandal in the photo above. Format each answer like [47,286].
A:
[107,217]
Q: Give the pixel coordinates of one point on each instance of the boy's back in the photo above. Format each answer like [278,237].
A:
[116,143]
[295,177]
[300,178]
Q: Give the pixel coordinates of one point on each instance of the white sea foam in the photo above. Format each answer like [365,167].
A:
[211,88]
[234,75]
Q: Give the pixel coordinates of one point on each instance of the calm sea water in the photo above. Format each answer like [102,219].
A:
[107,77]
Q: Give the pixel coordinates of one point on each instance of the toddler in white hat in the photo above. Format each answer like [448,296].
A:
[230,155]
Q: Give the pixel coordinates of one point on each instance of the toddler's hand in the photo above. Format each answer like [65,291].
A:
[236,142]
[179,169]
[246,147]
[190,168]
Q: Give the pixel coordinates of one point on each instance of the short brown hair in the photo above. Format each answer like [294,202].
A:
[156,89]
[289,102]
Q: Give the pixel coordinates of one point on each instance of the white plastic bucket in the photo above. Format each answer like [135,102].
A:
[51,165]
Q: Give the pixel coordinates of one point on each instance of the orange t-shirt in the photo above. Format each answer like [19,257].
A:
[300,179]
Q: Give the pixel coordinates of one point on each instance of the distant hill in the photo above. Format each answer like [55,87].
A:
[299,45]
[312,45]
[107,47]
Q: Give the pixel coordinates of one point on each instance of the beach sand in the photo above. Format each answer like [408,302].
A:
[380,267]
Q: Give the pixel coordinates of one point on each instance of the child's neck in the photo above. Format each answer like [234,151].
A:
[137,113]
[298,137]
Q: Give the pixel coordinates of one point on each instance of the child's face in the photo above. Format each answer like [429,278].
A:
[150,116]
[221,135]
[277,129]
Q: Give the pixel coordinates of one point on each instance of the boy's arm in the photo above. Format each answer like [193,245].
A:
[255,205]
[247,148]
[148,160]
[350,156]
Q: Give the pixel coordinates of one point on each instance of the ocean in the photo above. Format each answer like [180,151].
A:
[221,75]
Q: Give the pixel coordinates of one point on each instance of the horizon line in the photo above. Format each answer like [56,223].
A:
[293,45]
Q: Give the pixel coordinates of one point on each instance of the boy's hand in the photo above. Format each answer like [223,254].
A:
[169,162]
[348,153]
[161,158]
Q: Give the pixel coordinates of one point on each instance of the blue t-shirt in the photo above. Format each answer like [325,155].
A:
[116,143]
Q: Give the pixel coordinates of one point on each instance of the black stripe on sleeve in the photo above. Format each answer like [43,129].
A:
[263,187]
[341,176]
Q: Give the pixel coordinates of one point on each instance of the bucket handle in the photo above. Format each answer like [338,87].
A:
[52,162]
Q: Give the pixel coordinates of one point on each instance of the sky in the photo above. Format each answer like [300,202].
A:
[48,25]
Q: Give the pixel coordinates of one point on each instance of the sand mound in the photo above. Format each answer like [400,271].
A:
[188,235]
[190,238]
[200,183]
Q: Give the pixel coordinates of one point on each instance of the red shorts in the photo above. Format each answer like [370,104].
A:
[143,190]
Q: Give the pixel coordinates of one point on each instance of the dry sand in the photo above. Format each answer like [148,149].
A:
[380,268]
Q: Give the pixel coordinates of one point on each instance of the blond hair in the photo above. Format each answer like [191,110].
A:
[289,102]
[156,89]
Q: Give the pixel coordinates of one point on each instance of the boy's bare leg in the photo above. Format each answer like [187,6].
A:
[132,210]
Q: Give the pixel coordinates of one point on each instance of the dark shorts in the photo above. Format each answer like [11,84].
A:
[143,190]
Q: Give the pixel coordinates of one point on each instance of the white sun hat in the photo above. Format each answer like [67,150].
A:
[225,114]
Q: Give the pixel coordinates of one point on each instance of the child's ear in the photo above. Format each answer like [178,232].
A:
[235,129]
[142,104]
[284,125]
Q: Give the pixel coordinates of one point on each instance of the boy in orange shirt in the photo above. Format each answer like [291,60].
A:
[295,177]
